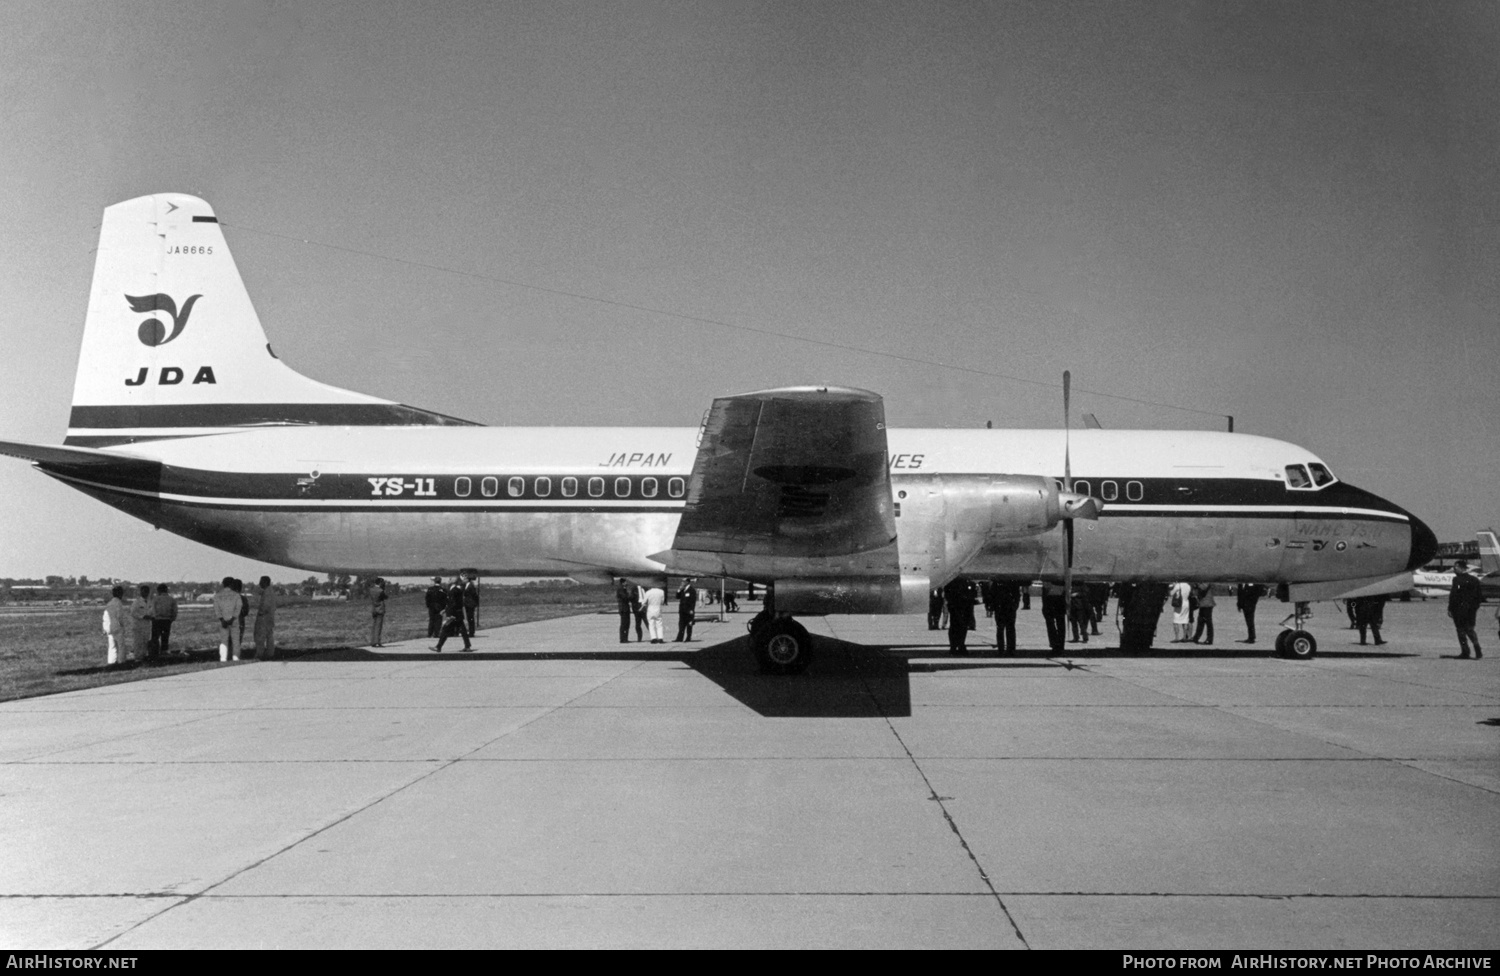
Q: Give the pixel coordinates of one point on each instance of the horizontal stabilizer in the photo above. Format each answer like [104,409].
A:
[59,455]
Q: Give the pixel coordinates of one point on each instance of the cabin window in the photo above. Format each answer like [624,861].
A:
[1083,488]
[596,487]
[489,487]
[1134,491]
[676,487]
[1296,477]
[1321,475]
[462,487]
[622,487]
[648,487]
[1109,491]
[569,487]
[542,486]
[515,487]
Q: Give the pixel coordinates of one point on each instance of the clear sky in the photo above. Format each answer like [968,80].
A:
[1288,212]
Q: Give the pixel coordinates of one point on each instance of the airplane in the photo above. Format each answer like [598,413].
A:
[1439,582]
[183,416]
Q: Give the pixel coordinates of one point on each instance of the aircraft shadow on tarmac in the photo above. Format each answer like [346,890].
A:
[844,680]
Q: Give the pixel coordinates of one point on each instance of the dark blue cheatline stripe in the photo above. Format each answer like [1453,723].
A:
[1289,511]
[260,414]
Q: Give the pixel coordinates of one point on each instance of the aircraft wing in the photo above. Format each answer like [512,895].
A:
[789,481]
[48,454]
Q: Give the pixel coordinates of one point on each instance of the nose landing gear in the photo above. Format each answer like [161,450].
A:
[1295,643]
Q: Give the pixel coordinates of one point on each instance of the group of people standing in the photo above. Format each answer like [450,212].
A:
[232,608]
[149,633]
[1072,617]
[143,630]
[452,609]
[642,606]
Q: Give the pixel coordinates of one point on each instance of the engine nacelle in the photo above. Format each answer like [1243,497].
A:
[947,519]
[851,594]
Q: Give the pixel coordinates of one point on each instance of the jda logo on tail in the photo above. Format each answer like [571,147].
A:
[152,333]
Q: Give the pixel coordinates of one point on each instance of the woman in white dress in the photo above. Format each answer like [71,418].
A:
[1181,612]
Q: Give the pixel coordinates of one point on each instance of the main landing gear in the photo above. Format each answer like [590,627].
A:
[1296,643]
[781,645]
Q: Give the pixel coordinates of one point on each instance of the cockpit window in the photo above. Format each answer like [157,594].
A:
[1296,477]
[1321,475]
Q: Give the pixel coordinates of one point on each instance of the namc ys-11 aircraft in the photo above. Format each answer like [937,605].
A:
[184,417]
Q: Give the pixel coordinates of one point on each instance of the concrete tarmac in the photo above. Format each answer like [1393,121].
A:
[561,789]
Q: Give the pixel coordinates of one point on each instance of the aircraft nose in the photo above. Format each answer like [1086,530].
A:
[1424,544]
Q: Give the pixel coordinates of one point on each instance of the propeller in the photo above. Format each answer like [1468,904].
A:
[1071,506]
[1067,486]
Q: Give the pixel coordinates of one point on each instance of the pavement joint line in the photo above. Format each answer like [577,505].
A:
[735,705]
[942,802]
[1411,763]
[1359,754]
[428,774]
[942,757]
[155,730]
[894,893]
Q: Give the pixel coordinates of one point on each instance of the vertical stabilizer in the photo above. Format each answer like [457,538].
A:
[172,345]
[1489,553]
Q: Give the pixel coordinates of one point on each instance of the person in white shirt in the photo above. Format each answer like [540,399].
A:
[265,620]
[653,600]
[114,625]
[227,610]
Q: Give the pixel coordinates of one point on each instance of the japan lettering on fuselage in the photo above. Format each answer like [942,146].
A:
[637,459]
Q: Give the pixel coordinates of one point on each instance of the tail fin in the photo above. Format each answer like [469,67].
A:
[1489,552]
[172,345]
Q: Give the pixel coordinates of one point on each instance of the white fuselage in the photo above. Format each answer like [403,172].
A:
[592,501]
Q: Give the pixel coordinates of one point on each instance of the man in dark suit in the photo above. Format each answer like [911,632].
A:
[1245,599]
[1055,613]
[959,596]
[437,599]
[471,601]
[687,606]
[1006,597]
[1463,606]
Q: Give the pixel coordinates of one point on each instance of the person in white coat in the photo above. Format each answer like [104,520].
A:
[114,625]
[227,611]
[653,600]
[1181,612]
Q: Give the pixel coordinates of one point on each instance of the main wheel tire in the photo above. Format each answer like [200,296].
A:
[1301,646]
[1281,640]
[782,647]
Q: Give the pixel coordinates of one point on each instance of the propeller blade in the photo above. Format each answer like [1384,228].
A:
[1067,431]
[1067,486]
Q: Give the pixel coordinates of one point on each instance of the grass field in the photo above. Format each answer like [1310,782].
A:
[47,651]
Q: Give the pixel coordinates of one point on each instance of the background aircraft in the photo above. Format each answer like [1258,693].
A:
[1439,582]
[183,416]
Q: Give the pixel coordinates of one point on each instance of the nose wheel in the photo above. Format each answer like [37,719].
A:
[1297,645]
